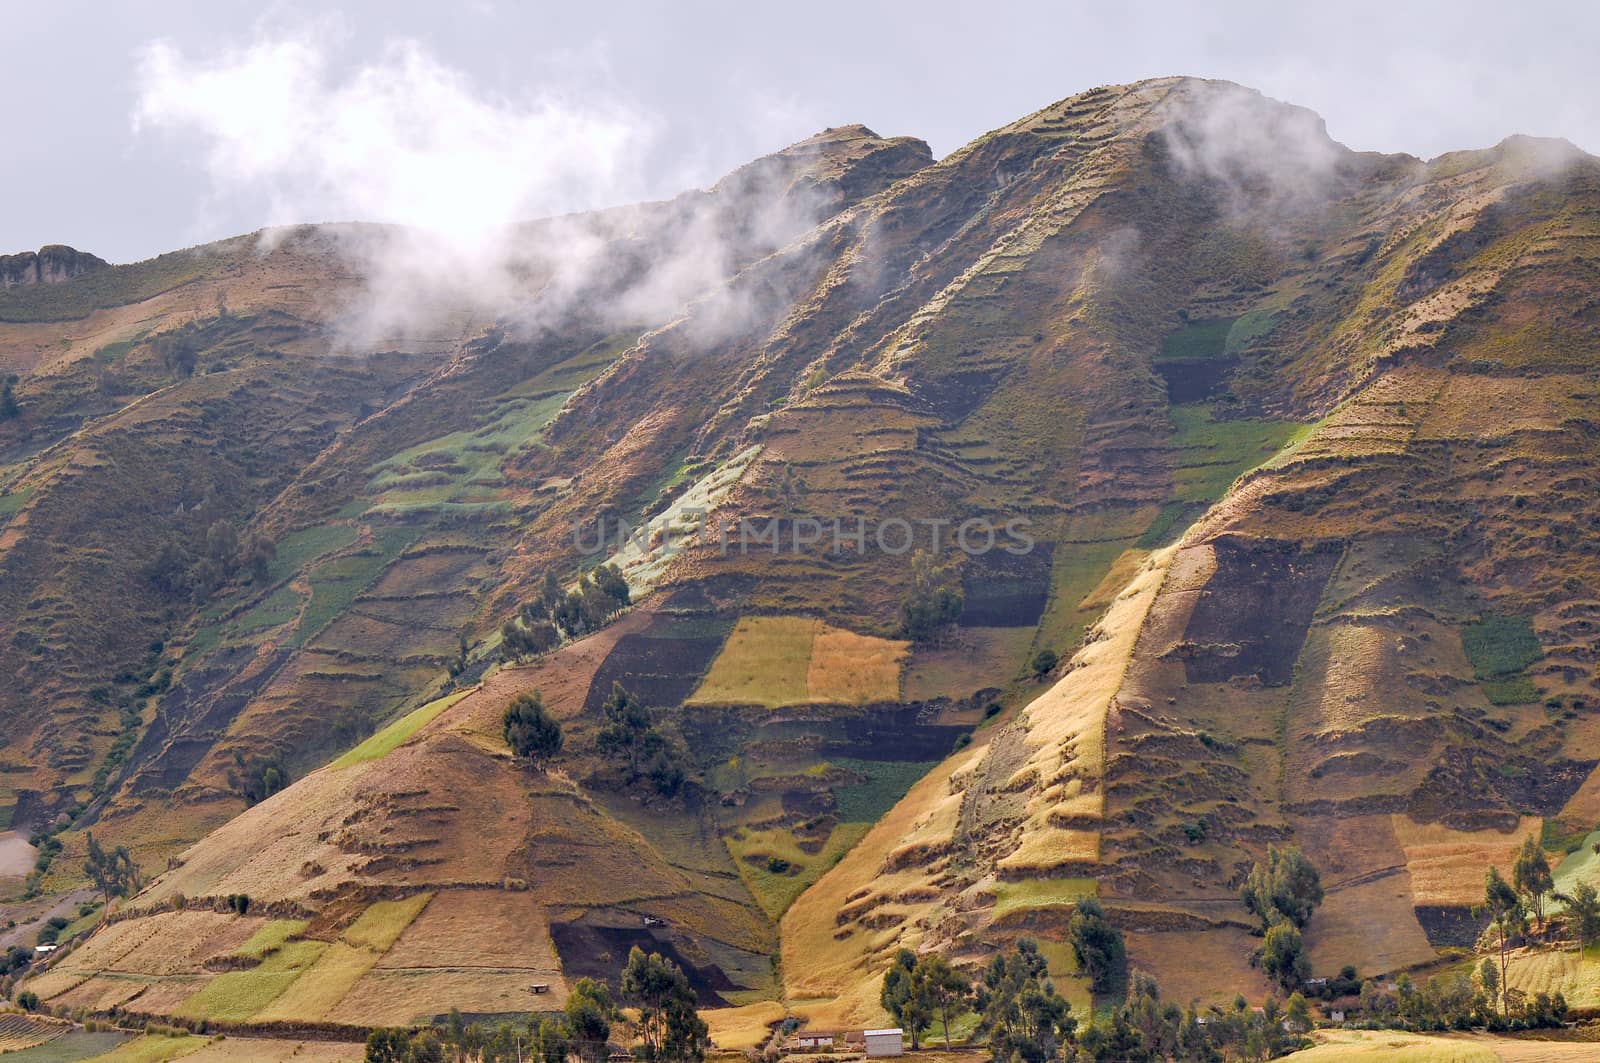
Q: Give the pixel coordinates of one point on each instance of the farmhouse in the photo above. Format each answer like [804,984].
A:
[813,1039]
[885,1042]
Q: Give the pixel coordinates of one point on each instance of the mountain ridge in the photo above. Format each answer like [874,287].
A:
[1233,374]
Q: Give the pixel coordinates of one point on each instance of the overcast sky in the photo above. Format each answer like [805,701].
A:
[134,128]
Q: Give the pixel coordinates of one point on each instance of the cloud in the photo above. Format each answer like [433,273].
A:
[458,173]
[402,139]
[1265,155]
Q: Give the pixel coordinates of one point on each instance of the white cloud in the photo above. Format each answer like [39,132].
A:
[402,139]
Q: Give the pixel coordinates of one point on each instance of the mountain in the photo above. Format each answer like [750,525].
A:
[1285,449]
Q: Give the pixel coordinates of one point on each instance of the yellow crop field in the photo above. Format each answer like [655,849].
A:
[1447,866]
[774,661]
[850,669]
[321,986]
[381,925]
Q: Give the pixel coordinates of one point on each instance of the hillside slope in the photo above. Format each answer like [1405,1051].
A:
[1290,446]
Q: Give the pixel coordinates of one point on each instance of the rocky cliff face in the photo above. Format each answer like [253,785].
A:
[51,264]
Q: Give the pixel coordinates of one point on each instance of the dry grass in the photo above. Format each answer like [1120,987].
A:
[1116,580]
[787,660]
[1371,925]
[258,1050]
[1544,971]
[1393,1046]
[743,1027]
[1447,866]
[320,988]
[381,925]
[766,661]
[851,669]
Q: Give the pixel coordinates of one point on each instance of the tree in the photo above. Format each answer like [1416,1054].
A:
[9,407]
[113,873]
[946,989]
[1489,979]
[1019,1008]
[904,998]
[222,542]
[1287,885]
[530,731]
[671,1029]
[1530,874]
[554,1044]
[386,1045]
[1096,944]
[1298,1013]
[589,1013]
[935,600]
[1283,956]
[257,554]
[1583,910]
[627,722]
[1044,662]
[1506,916]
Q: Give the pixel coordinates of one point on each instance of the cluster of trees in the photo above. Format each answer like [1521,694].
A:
[1147,1028]
[630,739]
[918,990]
[530,730]
[1457,1001]
[668,1028]
[179,573]
[1027,1021]
[1282,893]
[543,621]
[9,407]
[1097,946]
[1517,909]
[113,871]
[935,600]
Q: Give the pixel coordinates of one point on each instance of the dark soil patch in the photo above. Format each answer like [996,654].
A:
[1253,616]
[955,395]
[1450,926]
[600,952]
[893,733]
[1002,590]
[1195,379]
[661,665]
[1472,789]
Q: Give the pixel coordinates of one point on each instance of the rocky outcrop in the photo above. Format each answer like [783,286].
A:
[51,264]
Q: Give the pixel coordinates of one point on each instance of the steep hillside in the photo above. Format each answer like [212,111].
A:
[1282,447]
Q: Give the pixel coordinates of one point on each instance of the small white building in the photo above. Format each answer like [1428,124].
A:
[885,1042]
[43,950]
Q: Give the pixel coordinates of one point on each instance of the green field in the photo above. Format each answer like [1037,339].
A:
[270,938]
[70,1048]
[1500,646]
[237,995]
[1041,893]
[775,887]
[381,925]
[153,1048]
[1212,454]
[336,583]
[886,783]
[1198,339]
[390,738]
